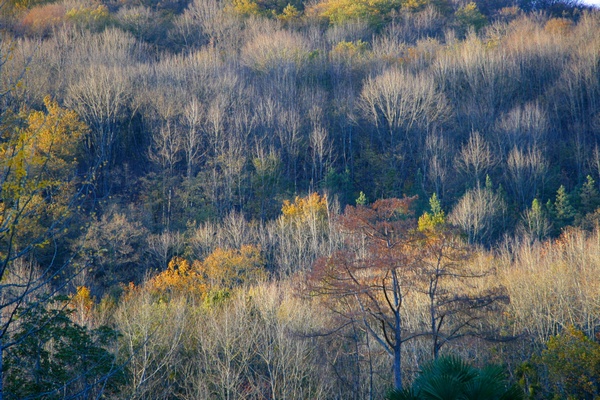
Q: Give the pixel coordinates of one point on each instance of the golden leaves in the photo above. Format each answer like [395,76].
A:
[83,305]
[341,11]
[34,156]
[223,269]
[303,209]
[37,164]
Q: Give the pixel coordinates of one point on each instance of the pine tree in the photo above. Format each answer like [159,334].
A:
[535,222]
[563,210]
[589,196]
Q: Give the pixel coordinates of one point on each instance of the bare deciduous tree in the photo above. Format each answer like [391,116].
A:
[437,161]
[192,142]
[397,101]
[101,96]
[164,246]
[522,127]
[478,213]
[526,170]
[376,279]
[476,158]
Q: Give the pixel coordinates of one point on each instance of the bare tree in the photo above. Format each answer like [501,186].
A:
[478,213]
[476,158]
[289,133]
[320,144]
[387,263]
[101,96]
[526,169]
[479,83]
[437,161]
[522,127]
[152,337]
[164,246]
[166,148]
[275,51]
[397,101]
[166,152]
[192,136]
[534,222]
[209,21]
[459,299]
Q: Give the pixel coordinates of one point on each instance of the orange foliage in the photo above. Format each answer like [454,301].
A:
[41,19]
[179,277]
[221,270]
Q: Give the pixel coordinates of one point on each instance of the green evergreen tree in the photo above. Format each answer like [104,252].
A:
[535,222]
[435,218]
[589,196]
[488,183]
[562,209]
[362,199]
[469,17]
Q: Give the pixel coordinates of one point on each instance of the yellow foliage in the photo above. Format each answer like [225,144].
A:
[312,207]
[37,163]
[223,269]
[340,11]
[82,298]
[245,7]
[435,219]
[56,134]
[573,363]
[44,149]
[289,13]
[94,17]
[415,5]
[226,269]
[350,49]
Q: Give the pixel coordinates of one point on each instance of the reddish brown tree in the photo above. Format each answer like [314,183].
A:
[372,275]
[391,263]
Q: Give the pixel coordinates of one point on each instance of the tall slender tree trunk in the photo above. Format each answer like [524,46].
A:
[397,347]
[398,366]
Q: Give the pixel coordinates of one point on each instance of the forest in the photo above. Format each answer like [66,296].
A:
[321,199]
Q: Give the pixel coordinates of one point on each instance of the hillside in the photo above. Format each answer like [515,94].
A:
[262,199]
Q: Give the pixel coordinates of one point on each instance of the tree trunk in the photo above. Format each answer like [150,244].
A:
[398,366]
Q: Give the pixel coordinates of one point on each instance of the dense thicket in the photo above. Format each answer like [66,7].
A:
[181,171]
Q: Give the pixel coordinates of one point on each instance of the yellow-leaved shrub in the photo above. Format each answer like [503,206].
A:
[222,270]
